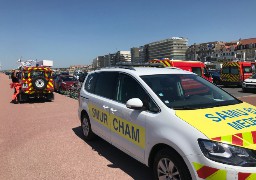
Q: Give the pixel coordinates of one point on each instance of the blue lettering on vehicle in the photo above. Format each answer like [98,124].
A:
[235,113]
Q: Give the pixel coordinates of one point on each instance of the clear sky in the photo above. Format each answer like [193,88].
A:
[76,31]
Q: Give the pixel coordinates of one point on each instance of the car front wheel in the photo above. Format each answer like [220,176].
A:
[169,165]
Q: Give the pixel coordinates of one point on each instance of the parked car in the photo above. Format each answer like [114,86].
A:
[249,83]
[215,76]
[64,82]
[160,117]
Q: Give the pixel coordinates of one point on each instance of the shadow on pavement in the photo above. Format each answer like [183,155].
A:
[36,100]
[118,159]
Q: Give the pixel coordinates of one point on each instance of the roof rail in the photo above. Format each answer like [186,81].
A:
[132,65]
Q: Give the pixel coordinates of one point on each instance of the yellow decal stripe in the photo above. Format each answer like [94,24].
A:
[129,131]
[197,166]
[227,139]
[247,137]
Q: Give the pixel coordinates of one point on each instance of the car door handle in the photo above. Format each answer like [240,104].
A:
[113,110]
[105,107]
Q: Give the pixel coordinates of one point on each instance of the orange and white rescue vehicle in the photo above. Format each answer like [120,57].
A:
[196,67]
[234,73]
[36,82]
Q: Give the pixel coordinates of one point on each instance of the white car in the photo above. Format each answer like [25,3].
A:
[249,83]
[175,122]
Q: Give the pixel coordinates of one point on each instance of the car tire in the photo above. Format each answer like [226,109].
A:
[50,97]
[39,83]
[61,90]
[168,164]
[86,128]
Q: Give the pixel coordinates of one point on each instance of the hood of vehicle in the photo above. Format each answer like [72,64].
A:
[250,80]
[233,124]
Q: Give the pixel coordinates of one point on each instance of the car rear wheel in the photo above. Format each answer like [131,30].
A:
[169,165]
[86,127]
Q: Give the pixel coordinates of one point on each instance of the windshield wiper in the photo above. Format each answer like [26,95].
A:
[184,108]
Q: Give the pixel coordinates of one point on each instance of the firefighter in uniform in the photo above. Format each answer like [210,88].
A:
[16,85]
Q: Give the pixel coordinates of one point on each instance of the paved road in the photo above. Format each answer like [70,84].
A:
[43,140]
[237,92]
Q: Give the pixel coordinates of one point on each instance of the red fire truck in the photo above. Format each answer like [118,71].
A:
[196,67]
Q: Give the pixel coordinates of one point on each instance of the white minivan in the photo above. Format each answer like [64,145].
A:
[177,123]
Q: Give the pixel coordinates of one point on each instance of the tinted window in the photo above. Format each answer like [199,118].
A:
[130,88]
[37,74]
[90,83]
[234,70]
[197,70]
[247,69]
[225,70]
[180,91]
[106,84]
[68,78]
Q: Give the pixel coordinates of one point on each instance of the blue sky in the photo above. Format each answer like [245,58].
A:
[76,31]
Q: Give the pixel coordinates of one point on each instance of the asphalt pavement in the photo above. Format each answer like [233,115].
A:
[43,140]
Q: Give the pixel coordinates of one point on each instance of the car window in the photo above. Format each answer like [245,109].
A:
[34,74]
[247,69]
[68,78]
[197,70]
[225,70]
[106,84]
[90,82]
[129,88]
[187,91]
[234,70]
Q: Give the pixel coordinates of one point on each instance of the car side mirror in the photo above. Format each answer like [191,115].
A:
[134,103]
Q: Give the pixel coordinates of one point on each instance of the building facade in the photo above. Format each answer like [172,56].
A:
[135,55]
[172,48]
[246,49]
[123,56]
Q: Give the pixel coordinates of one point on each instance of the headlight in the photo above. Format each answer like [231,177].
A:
[227,154]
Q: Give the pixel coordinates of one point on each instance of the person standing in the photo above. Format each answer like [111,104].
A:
[16,85]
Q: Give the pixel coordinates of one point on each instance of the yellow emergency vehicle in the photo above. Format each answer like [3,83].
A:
[234,73]
[153,115]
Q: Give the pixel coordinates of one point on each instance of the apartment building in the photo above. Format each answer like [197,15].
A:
[172,48]
[212,51]
[246,49]
[111,59]
[123,56]
[135,55]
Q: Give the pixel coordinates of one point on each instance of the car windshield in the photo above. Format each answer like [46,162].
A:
[68,78]
[187,91]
